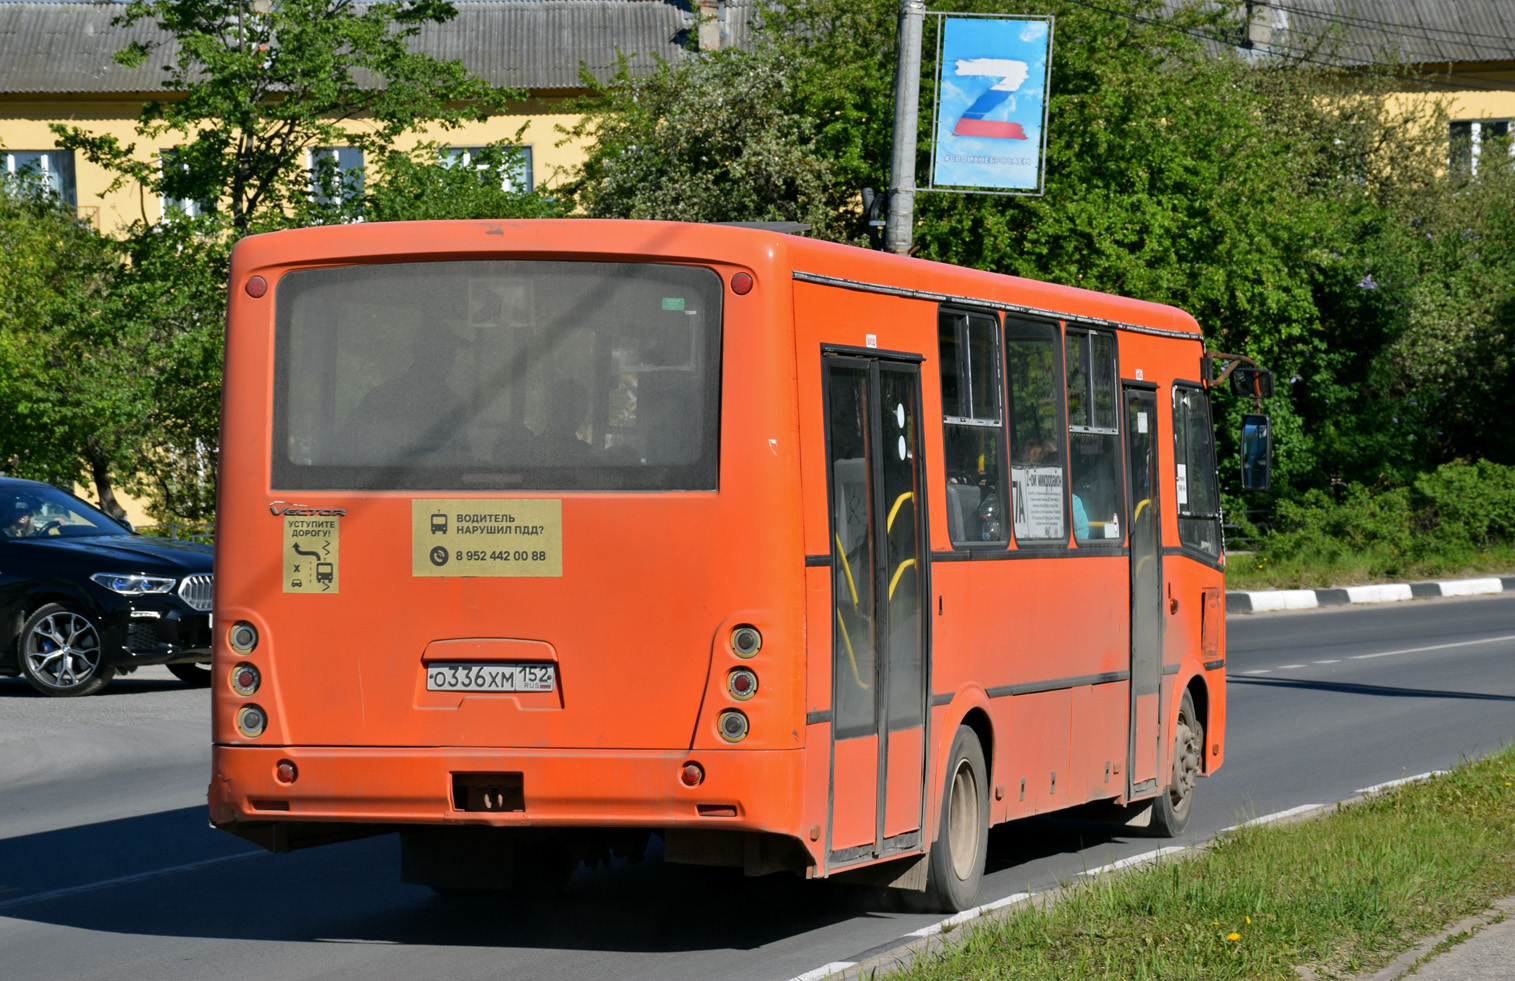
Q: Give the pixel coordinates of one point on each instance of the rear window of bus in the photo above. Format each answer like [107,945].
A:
[510,375]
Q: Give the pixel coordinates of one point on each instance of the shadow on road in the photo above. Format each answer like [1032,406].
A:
[108,877]
[1352,688]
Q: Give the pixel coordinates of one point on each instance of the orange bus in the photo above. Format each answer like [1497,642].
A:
[544,540]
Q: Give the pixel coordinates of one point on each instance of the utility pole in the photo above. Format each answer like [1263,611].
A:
[907,99]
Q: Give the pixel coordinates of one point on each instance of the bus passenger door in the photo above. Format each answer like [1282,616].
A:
[879,668]
[1146,591]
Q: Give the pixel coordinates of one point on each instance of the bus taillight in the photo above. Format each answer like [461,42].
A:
[251,721]
[742,683]
[746,641]
[732,726]
[243,637]
[692,775]
[245,679]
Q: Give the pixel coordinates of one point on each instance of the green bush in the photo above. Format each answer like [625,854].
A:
[1458,519]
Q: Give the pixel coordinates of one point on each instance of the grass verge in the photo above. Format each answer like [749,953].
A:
[1336,896]
[1250,570]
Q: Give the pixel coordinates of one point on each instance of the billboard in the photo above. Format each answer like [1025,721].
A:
[990,134]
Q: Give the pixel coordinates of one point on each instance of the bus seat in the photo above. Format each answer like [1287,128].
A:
[962,512]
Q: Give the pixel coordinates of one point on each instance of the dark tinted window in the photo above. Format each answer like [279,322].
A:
[498,375]
[1038,475]
[1093,437]
[1198,497]
[973,429]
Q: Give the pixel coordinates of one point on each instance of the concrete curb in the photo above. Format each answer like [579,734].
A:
[1270,600]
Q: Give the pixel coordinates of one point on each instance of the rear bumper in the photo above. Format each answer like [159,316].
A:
[753,790]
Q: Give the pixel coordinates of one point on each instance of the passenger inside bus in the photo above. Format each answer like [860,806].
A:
[559,443]
[415,414]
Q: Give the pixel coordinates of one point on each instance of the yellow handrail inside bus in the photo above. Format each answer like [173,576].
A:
[851,659]
[841,553]
[897,573]
[889,525]
[1138,512]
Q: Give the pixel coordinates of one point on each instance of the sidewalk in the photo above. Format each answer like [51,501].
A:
[1268,600]
[1486,951]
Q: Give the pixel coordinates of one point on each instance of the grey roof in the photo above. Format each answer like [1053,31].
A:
[533,44]
[1424,32]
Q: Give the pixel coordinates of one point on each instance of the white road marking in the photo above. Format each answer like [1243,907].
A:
[1289,667]
[1259,671]
[38,897]
[825,971]
[1135,860]
[957,919]
[1434,647]
[1334,660]
[1401,781]
[1270,818]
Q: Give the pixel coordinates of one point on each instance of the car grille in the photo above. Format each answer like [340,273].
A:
[196,590]
[141,635]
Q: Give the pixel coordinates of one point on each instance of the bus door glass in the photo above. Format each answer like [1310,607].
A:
[878,651]
[1146,590]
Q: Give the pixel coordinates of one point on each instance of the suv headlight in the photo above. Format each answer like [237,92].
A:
[133,583]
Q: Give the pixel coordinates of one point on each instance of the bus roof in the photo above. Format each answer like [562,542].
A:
[828,263]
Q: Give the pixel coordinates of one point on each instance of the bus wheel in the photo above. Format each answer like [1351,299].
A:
[961,847]
[1170,812]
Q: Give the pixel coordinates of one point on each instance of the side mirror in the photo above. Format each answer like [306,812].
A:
[1256,453]
[1252,383]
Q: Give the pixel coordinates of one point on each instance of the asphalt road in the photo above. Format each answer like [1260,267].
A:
[111,872]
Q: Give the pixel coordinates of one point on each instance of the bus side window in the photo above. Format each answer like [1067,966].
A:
[1038,474]
[1197,493]
[972,426]
[1093,437]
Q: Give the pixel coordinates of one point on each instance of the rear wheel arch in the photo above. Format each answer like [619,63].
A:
[1199,694]
[977,719]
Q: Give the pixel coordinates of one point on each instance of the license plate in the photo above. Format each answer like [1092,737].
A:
[490,677]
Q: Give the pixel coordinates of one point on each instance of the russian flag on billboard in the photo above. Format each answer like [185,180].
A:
[991,103]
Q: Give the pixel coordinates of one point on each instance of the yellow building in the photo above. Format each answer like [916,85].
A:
[1457,53]
[56,66]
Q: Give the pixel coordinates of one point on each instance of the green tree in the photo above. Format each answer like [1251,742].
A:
[255,86]
[70,398]
[262,83]
[718,136]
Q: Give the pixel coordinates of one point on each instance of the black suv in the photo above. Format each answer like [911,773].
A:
[83,598]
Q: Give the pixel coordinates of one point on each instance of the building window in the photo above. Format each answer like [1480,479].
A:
[1472,141]
[336,173]
[53,168]
[515,175]
[175,178]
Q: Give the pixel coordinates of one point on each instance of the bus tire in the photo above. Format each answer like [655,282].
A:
[956,864]
[1170,812]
